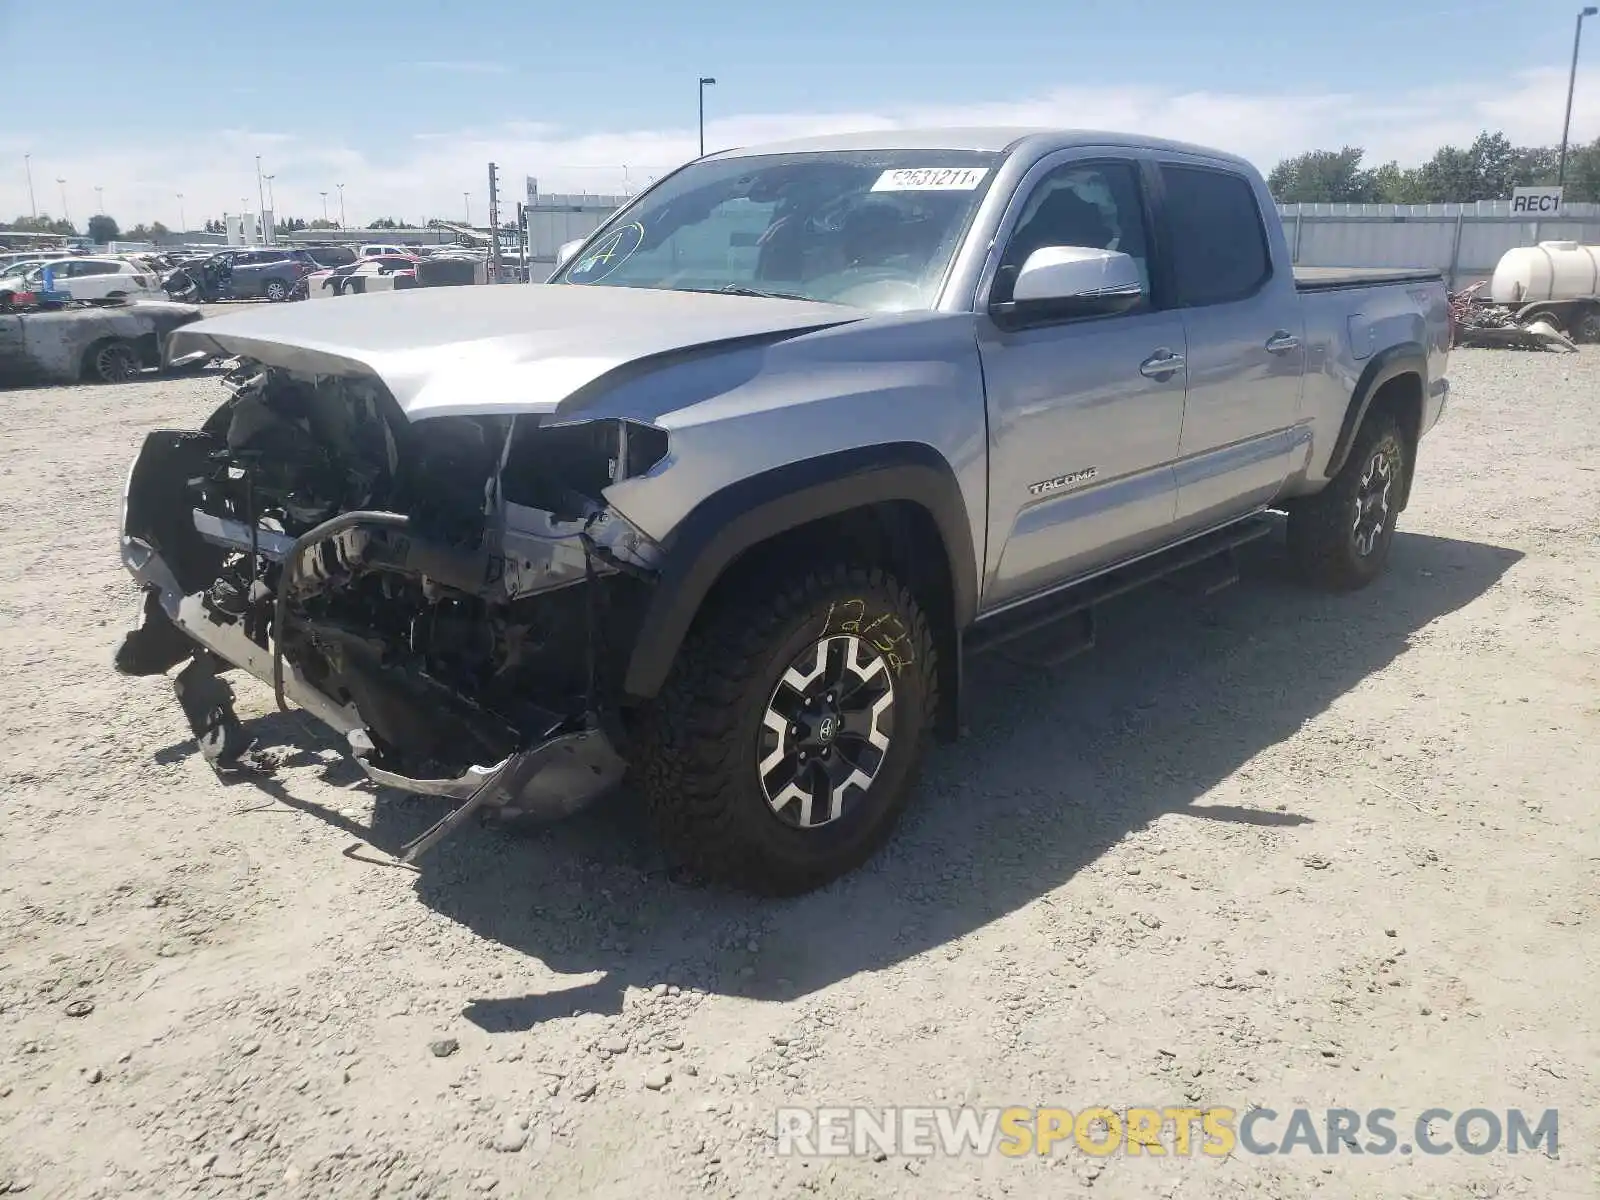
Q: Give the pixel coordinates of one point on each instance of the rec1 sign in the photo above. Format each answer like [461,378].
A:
[1536,201]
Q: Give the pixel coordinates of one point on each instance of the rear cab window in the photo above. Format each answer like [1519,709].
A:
[1218,242]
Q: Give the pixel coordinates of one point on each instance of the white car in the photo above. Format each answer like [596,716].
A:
[95,279]
[384,250]
[368,273]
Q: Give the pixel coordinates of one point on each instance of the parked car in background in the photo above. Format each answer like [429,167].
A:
[399,271]
[331,256]
[380,249]
[13,272]
[103,344]
[147,264]
[91,279]
[269,274]
[12,259]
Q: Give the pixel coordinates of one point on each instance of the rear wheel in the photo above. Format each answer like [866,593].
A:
[1340,537]
[1586,325]
[786,742]
[112,361]
[276,290]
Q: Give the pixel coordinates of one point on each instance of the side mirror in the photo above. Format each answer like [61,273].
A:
[1074,281]
[566,250]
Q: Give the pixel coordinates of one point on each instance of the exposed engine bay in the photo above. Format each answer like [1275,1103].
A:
[448,594]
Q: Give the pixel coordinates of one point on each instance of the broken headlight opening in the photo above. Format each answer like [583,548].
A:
[455,596]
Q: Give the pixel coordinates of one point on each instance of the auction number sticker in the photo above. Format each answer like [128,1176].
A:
[931,179]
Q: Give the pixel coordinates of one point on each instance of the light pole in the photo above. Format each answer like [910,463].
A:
[183,223]
[100,200]
[324,206]
[65,216]
[340,186]
[705,82]
[1572,80]
[261,202]
[272,201]
[466,204]
[27,165]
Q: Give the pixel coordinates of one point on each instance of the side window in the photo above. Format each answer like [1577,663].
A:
[1219,247]
[95,268]
[1093,204]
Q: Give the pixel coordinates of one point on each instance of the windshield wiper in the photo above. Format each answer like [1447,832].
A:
[738,289]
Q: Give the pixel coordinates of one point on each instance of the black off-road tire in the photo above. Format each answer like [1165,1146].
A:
[1324,539]
[698,747]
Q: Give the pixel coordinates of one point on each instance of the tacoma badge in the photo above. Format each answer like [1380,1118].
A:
[1046,486]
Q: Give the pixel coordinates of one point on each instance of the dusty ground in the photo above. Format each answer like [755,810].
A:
[1272,848]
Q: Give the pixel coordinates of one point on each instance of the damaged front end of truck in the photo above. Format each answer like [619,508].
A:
[453,595]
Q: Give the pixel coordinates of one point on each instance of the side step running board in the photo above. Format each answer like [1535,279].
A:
[1214,553]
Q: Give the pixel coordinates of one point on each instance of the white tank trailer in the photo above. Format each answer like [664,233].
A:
[1554,281]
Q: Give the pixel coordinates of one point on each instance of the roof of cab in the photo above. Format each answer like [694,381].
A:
[992,139]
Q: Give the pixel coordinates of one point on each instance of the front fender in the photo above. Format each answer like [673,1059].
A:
[754,509]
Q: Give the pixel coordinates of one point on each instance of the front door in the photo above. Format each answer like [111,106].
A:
[1084,414]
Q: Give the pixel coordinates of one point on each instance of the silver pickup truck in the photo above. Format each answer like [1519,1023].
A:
[723,505]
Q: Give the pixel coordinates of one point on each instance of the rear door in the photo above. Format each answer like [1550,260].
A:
[1243,323]
[1084,413]
[95,279]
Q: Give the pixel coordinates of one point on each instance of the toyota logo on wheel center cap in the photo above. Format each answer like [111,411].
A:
[826,728]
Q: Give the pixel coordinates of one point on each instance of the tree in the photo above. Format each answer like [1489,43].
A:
[384,223]
[147,233]
[102,229]
[290,225]
[215,226]
[1536,166]
[1485,170]
[43,223]
[1323,176]
[1583,172]
[323,223]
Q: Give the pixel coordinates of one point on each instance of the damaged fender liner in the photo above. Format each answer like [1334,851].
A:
[464,632]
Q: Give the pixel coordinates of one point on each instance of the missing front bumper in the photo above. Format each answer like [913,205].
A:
[557,775]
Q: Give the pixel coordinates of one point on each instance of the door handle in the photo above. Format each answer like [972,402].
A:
[1282,342]
[1161,365]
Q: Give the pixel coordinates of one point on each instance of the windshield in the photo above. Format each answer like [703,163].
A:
[871,229]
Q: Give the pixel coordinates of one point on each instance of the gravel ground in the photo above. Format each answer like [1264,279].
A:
[1268,848]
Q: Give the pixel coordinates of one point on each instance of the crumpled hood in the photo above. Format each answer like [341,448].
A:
[507,348]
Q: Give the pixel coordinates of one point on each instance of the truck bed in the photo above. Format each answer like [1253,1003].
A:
[1331,279]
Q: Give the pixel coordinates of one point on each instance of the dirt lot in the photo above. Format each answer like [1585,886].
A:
[1271,848]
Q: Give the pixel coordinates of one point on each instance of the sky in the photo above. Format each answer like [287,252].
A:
[405,103]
